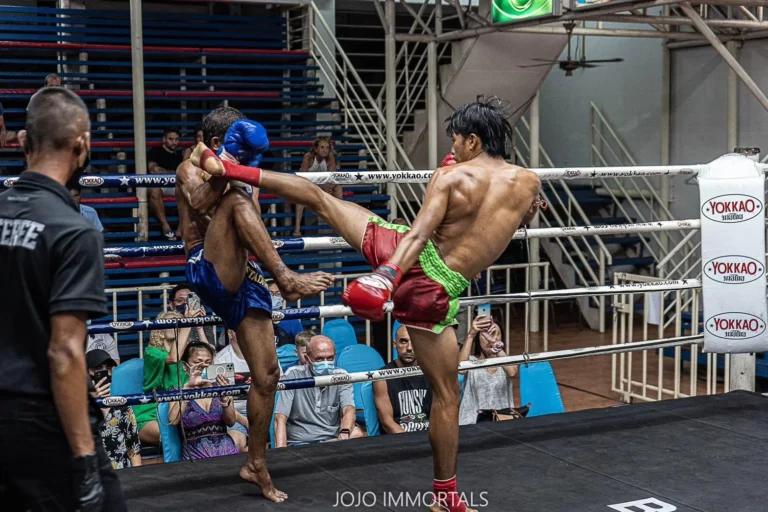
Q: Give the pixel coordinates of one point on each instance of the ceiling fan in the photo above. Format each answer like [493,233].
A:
[570,65]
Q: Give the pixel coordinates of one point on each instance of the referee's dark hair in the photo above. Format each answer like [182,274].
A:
[55,117]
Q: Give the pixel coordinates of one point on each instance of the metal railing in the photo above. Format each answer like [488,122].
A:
[362,115]
[569,213]
[656,380]
[635,197]
[142,294]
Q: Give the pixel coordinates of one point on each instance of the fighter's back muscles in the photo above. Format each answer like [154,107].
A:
[197,193]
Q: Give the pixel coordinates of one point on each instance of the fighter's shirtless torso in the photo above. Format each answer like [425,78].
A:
[486,203]
[193,225]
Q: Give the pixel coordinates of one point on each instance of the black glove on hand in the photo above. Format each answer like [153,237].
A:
[88,488]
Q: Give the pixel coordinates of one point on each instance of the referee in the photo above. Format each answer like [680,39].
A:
[53,280]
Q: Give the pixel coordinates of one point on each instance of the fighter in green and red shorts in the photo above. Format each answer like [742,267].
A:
[427,295]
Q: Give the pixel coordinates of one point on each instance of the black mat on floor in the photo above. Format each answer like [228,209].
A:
[703,454]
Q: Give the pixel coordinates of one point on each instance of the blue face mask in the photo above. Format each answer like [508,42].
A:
[323,367]
[277,302]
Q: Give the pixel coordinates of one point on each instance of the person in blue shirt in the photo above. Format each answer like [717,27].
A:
[87,211]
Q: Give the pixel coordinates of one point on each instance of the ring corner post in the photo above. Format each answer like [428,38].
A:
[140,136]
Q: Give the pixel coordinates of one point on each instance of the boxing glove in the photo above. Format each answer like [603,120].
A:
[448,160]
[368,294]
[88,487]
[245,140]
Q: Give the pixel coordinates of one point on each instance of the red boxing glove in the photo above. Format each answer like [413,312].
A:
[368,294]
[215,166]
[448,160]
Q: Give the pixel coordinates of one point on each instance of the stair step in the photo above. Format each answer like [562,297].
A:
[618,262]
[610,220]
[613,240]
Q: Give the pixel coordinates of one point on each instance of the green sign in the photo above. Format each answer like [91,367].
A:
[516,10]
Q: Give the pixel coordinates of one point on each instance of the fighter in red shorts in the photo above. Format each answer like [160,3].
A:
[470,213]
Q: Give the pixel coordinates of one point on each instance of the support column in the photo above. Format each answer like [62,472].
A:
[390,99]
[432,103]
[666,103]
[139,124]
[534,243]
[732,124]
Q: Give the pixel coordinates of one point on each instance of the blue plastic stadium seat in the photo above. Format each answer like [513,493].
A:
[128,378]
[538,387]
[369,409]
[359,358]
[342,333]
[286,356]
[170,439]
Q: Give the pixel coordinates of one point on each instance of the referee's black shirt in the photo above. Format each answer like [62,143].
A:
[51,261]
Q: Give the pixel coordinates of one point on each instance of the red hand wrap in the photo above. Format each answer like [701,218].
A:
[391,272]
[447,496]
[207,155]
[249,175]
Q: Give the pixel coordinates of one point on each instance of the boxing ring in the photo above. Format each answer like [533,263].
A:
[697,453]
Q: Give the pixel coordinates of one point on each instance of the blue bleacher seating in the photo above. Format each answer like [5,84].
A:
[286,356]
[370,413]
[341,332]
[359,358]
[170,437]
[538,386]
[128,378]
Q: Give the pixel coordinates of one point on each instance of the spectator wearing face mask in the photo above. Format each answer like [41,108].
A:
[119,433]
[285,330]
[205,420]
[403,405]
[487,389]
[316,415]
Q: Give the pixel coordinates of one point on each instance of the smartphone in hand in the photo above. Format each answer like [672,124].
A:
[484,310]
[100,374]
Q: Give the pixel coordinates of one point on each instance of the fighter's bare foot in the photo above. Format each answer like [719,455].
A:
[294,286]
[260,477]
[212,166]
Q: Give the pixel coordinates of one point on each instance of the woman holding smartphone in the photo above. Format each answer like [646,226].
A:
[488,389]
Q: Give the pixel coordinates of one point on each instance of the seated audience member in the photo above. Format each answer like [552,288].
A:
[316,415]
[163,160]
[87,211]
[488,389]
[198,139]
[205,420]
[161,373]
[403,405]
[232,354]
[179,302]
[318,159]
[103,342]
[285,330]
[118,430]
[302,342]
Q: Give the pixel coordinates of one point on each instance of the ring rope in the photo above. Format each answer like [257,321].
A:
[396,373]
[338,310]
[318,243]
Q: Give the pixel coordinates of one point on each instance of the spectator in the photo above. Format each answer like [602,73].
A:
[318,159]
[316,415]
[285,330]
[198,139]
[103,342]
[179,302]
[403,405]
[490,388]
[52,80]
[119,433]
[232,354]
[205,420]
[164,160]
[161,373]
[87,211]
[302,342]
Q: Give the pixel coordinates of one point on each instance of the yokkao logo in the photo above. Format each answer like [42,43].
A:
[277,316]
[732,208]
[8,183]
[734,269]
[572,173]
[91,181]
[121,325]
[735,326]
[277,243]
[114,401]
